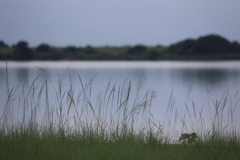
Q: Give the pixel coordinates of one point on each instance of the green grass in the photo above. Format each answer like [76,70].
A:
[118,126]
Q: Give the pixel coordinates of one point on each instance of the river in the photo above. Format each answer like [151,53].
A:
[195,86]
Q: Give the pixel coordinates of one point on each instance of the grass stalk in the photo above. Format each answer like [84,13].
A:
[67,124]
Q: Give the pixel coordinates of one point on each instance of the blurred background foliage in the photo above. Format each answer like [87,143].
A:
[210,47]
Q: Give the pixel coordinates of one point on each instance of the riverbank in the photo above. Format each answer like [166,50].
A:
[29,145]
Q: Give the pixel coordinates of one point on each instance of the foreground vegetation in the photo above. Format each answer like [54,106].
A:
[210,47]
[119,125]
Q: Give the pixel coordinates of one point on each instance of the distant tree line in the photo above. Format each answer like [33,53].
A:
[211,44]
[210,47]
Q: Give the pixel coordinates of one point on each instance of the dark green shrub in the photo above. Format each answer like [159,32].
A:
[3,45]
[153,55]
[43,48]
[22,51]
[212,44]
[183,47]
[70,49]
[188,138]
[138,49]
[89,50]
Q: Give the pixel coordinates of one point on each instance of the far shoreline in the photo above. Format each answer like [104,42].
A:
[221,64]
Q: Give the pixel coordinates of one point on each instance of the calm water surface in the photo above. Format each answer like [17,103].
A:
[187,81]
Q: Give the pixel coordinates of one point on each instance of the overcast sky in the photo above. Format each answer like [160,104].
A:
[116,22]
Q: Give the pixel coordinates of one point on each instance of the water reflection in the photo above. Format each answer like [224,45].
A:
[2,75]
[22,74]
[160,81]
[213,77]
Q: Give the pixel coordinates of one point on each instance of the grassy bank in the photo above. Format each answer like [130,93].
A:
[118,125]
